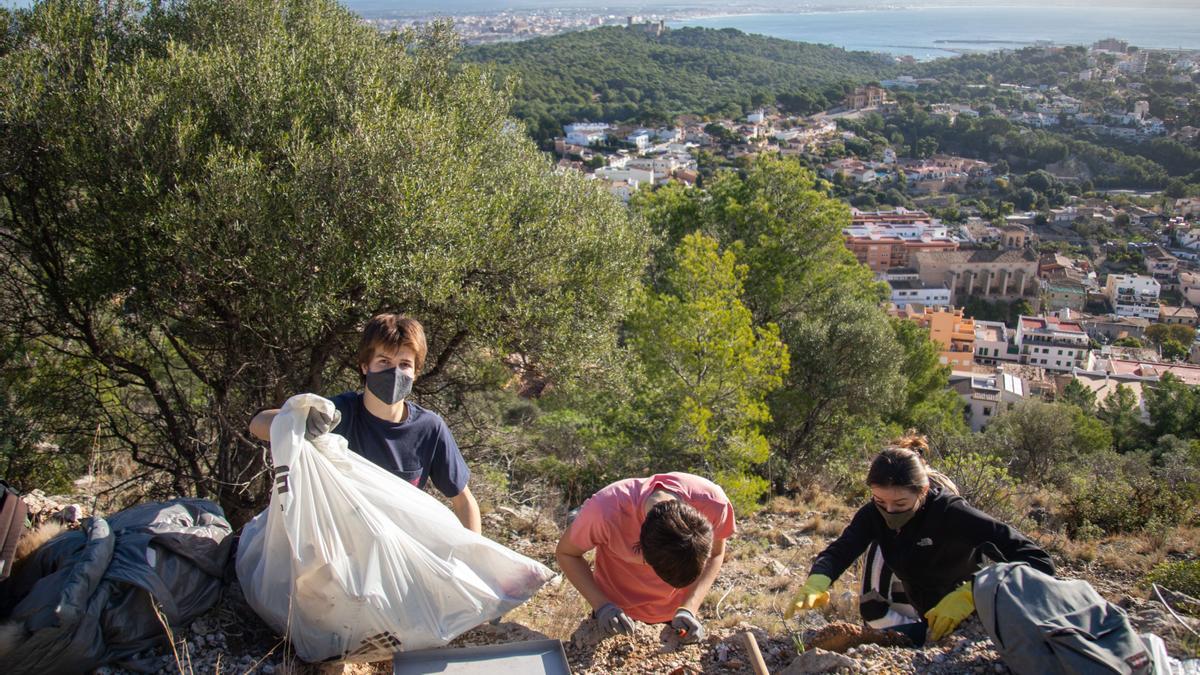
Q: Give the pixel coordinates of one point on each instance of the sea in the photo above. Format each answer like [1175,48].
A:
[934,32]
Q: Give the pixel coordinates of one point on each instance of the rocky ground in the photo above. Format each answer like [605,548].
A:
[767,561]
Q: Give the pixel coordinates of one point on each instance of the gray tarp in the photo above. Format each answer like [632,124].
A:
[86,597]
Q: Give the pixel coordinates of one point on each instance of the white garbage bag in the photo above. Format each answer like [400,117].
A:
[352,563]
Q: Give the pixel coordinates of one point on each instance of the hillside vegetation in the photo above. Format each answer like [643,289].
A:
[619,74]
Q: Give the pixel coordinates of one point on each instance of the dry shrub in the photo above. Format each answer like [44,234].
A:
[1183,540]
[1073,549]
[1125,554]
[787,506]
[817,499]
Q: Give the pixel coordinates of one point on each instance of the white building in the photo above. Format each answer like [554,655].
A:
[1189,285]
[662,165]
[913,292]
[986,396]
[1052,343]
[785,135]
[586,133]
[993,343]
[623,189]
[1189,238]
[628,174]
[639,139]
[1133,295]
[668,134]
[924,231]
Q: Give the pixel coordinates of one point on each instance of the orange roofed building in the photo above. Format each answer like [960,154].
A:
[882,240]
[953,332]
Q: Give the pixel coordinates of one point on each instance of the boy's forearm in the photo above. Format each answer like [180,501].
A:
[260,426]
[703,584]
[467,510]
[579,573]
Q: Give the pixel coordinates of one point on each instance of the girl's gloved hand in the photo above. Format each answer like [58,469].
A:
[813,595]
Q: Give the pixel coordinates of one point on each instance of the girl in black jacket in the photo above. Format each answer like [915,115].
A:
[929,537]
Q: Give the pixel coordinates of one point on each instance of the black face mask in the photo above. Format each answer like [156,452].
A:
[389,386]
[897,519]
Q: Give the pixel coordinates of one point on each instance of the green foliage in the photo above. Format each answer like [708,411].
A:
[1174,408]
[1128,341]
[1181,576]
[708,367]
[1174,350]
[203,199]
[34,380]
[1124,493]
[929,407]
[745,491]
[1029,66]
[983,479]
[614,74]
[1162,333]
[1008,312]
[1178,159]
[1120,411]
[1079,395]
[1040,439]
[994,139]
[846,374]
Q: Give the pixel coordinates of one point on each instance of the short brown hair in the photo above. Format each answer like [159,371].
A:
[676,541]
[391,332]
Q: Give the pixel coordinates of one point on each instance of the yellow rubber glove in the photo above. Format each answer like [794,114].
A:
[813,595]
[945,617]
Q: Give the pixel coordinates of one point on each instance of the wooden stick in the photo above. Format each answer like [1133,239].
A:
[756,659]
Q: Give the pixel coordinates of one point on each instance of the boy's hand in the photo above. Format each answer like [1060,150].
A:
[688,627]
[614,620]
[319,423]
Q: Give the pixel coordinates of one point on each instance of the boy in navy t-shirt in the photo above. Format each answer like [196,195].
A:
[382,426]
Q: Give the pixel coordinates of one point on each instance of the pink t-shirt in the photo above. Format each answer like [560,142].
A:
[611,522]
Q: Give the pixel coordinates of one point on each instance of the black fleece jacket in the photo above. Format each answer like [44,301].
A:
[935,552]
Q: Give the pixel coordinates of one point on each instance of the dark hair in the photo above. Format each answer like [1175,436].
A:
[903,464]
[392,331]
[675,541]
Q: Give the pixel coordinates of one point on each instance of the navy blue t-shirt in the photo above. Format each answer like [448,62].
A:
[419,449]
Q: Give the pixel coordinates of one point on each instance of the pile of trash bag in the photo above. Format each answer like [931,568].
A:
[103,593]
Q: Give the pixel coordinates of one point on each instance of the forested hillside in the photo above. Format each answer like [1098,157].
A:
[617,74]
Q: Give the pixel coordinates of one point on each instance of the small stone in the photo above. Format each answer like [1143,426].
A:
[71,514]
[268,669]
[774,568]
[819,661]
[784,540]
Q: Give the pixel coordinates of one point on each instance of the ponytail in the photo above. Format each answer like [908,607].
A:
[903,464]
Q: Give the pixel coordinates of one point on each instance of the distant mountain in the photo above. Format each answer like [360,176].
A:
[622,74]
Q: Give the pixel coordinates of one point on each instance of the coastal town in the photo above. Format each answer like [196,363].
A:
[1065,283]
[516,25]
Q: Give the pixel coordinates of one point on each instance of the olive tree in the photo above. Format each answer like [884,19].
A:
[203,200]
